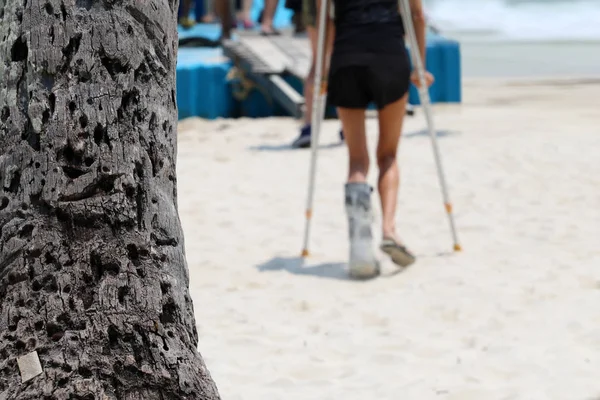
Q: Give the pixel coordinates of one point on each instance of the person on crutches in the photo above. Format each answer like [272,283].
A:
[370,64]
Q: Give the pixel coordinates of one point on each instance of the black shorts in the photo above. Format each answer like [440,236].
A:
[380,82]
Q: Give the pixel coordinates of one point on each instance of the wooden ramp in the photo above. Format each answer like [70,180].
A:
[265,60]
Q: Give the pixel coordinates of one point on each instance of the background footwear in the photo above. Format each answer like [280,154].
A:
[303,141]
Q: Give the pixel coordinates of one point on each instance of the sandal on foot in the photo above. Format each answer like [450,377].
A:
[398,253]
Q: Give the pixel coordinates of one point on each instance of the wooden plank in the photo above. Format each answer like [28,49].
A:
[298,52]
[276,54]
[271,55]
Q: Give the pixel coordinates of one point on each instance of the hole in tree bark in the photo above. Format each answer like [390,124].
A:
[3,203]
[142,74]
[71,49]
[88,299]
[52,100]
[83,121]
[49,258]
[122,293]
[113,335]
[5,114]
[132,252]
[164,287]
[19,50]
[114,66]
[73,173]
[14,182]
[45,116]
[72,106]
[50,284]
[26,231]
[100,268]
[49,9]
[63,11]
[130,191]
[100,135]
[169,312]
[32,137]
[54,331]
[85,373]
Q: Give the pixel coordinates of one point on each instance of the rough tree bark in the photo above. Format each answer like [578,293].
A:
[93,275]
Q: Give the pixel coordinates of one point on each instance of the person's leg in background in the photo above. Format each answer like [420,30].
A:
[209,12]
[244,15]
[223,9]
[185,20]
[309,12]
[297,17]
[266,25]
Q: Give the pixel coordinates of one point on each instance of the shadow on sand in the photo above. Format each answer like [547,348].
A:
[288,147]
[425,133]
[296,266]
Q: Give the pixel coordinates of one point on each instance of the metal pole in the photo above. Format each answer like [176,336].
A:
[319,93]
[426,103]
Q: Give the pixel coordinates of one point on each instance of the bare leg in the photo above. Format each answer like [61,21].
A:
[209,11]
[246,7]
[268,15]
[223,10]
[390,128]
[304,139]
[353,124]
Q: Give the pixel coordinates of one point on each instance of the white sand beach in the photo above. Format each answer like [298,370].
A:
[516,315]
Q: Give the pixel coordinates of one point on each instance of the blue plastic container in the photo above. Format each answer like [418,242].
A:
[443,61]
[202,87]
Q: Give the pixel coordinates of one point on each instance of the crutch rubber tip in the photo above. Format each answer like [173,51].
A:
[304,253]
[457,247]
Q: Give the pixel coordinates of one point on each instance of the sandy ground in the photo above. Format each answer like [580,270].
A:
[516,315]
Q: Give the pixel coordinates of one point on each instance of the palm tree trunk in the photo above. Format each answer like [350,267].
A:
[93,277]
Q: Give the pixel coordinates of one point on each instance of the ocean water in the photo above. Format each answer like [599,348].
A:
[522,38]
[518,20]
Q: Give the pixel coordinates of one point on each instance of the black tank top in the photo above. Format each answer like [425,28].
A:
[368,27]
